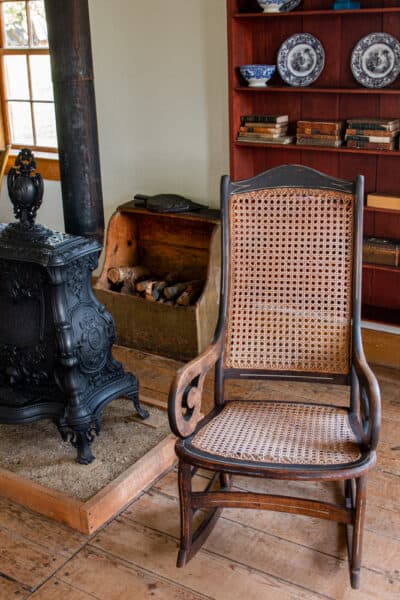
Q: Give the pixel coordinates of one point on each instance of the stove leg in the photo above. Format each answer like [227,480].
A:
[134,396]
[81,439]
[82,443]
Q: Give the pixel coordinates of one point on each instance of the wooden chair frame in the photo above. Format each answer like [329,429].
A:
[186,393]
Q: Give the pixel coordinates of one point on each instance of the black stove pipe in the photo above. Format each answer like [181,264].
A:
[75,105]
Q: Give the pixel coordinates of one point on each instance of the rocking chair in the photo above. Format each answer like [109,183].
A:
[290,310]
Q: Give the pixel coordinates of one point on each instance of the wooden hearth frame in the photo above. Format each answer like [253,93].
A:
[88,516]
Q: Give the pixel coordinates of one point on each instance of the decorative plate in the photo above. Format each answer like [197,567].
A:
[375,60]
[278,5]
[290,5]
[301,59]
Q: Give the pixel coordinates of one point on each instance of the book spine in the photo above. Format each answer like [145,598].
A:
[370,138]
[362,145]
[265,140]
[369,125]
[301,141]
[264,118]
[389,202]
[269,130]
[318,136]
[374,132]
[381,252]
[318,130]
[336,124]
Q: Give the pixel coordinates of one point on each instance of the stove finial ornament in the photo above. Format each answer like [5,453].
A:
[24,188]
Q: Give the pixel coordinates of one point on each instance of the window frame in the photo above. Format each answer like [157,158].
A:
[46,163]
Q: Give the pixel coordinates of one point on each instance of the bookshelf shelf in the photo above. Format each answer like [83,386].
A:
[383,268]
[361,12]
[271,89]
[255,37]
[383,211]
[320,149]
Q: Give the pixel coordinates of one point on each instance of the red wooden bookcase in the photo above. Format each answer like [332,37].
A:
[255,37]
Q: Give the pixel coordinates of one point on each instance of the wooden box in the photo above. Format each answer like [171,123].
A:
[187,244]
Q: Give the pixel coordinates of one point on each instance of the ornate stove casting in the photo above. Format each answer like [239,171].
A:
[55,336]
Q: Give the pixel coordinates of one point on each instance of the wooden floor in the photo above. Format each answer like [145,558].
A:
[250,555]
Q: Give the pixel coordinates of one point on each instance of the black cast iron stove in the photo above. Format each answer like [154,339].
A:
[55,337]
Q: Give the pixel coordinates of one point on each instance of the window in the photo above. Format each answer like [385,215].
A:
[26,86]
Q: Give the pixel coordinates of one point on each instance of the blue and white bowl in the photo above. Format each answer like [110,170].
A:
[257,75]
[278,5]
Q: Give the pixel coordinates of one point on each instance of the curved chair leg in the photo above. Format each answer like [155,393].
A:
[185,493]
[191,541]
[355,540]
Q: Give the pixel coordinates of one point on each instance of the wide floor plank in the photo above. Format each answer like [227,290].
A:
[25,562]
[10,589]
[58,590]
[321,571]
[107,578]
[209,574]
[49,534]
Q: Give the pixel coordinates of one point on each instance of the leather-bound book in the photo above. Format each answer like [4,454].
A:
[381,251]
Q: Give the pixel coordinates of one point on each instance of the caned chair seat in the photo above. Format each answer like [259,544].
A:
[283,433]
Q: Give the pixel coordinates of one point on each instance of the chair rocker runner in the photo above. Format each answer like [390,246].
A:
[290,310]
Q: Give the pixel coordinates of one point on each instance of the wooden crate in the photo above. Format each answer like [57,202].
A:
[187,244]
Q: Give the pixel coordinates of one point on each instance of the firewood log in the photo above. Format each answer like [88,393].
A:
[142,284]
[190,294]
[158,289]
[173,291]
[171,278]
[149,291]
[126,287]
[153,289]
[118,275]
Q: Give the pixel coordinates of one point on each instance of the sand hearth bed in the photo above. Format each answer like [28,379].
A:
[36,451]
[39,470]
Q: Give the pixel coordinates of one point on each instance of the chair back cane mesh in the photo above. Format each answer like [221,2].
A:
[289,301]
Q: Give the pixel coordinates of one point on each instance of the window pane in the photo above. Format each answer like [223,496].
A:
[15,24]
[20,122]
[38,24]
[16,76]
[42,88]
[45,123]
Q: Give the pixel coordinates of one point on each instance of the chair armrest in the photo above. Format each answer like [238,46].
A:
[370,398]
[184,401]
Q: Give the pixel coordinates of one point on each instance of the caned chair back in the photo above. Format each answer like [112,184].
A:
[290,273]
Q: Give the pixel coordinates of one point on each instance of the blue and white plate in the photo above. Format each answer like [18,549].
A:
[290,5]
[375,60]
[278,5]
[301,59]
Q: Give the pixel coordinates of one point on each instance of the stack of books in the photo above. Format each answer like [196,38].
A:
[372,133]
[319,133]
[264,129]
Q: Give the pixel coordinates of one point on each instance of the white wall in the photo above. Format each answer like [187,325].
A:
[161,93]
